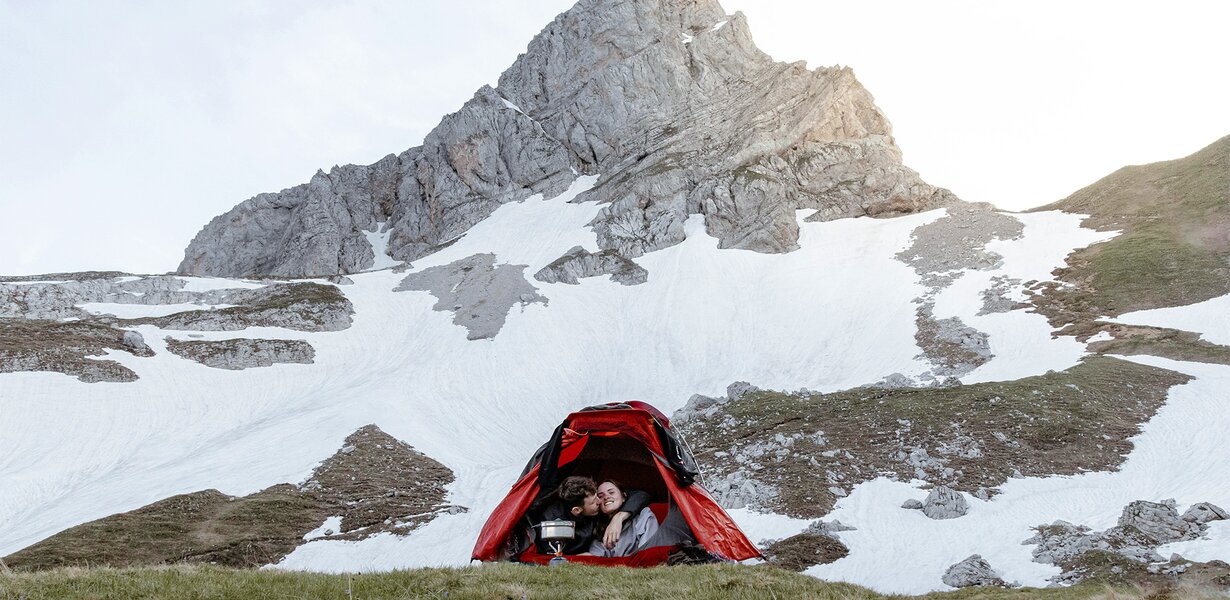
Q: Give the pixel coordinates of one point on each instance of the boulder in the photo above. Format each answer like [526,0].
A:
[944,503]
[973,571]
[1204,512]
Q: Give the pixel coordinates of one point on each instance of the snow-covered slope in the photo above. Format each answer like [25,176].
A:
[835,314]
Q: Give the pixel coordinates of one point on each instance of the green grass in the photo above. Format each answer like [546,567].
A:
[1174,248]
[497,581]
[205,526]
[374,484]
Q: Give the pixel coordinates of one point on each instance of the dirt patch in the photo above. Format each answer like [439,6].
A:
[243,353]
[375,482]
[1132,340]
[66,347]
[797,453]
[798,552]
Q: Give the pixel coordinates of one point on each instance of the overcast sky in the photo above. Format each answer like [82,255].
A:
[125,126]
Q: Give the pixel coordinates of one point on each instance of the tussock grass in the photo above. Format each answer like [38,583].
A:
[502,581]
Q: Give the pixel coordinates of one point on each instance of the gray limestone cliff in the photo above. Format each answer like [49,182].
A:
[669,100]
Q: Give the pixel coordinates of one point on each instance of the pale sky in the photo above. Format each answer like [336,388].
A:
[126,126]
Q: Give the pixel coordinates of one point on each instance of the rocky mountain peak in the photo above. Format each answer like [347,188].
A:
[669,101]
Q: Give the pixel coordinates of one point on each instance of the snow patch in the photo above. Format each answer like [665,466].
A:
[512,106]
[32,282]
[209,284]
[719,25]
[1211,319]
[137,311]
[331,526]
[1101,336]
[379,241]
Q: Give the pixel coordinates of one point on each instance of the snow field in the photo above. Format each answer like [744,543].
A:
[834,314]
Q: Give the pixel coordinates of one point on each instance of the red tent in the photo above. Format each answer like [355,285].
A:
[629,442]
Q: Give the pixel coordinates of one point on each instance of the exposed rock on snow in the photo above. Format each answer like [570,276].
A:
[579,263]
[302,306]
[60,299]
[67,347]
[477,291]
[237,354]
[958,241]
[973,571]
[912,504]
[1158,521]
[829,528]
[944,503]
[954,347]
[136,342]
[995,298]
[1143,527]
[938,252]
[1205,512]
[712,127]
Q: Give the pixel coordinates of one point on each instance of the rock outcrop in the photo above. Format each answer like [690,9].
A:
[973,571]
[579,263]
[71,348]
[668,99]
[1142,528]
[238,354]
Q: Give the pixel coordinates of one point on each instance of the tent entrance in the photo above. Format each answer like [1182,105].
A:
[617,457]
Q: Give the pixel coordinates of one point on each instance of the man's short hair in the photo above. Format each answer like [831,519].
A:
[574,490]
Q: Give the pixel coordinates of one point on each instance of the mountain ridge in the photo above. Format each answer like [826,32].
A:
[670,100]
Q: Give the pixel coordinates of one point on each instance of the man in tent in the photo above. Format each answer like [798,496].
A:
[577,500]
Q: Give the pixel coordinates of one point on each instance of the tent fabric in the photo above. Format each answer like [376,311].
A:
[628,441]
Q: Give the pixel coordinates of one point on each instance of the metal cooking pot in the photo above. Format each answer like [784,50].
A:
[557,530]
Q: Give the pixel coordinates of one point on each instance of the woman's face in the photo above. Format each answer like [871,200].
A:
[610,498]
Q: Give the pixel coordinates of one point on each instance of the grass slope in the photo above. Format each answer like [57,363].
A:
[375,483]
[1174,249]
[503,581]
[968,437]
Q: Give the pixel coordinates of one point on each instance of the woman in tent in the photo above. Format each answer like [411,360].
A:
[634,532]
